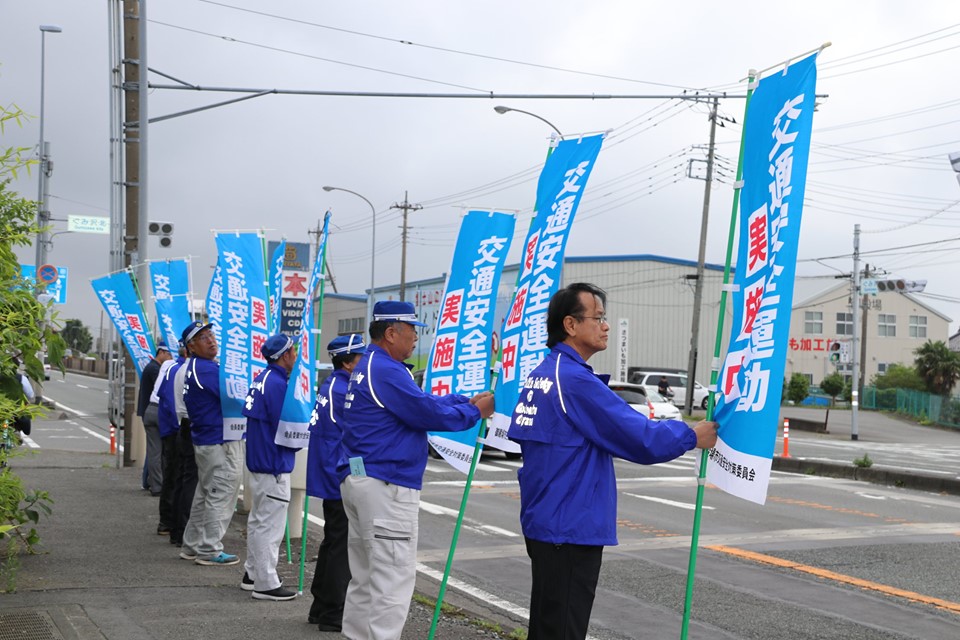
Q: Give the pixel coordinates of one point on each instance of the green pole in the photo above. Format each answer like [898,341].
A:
[473,466]
[316,354]
[286,537]
[718,345]
[477,450]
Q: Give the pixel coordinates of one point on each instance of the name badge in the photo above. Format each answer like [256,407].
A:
[356,467]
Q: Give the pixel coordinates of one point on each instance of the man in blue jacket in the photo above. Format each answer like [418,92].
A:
[570,426]
[218,461]
[385,422]
[170,451]
[270,465]
[330,580]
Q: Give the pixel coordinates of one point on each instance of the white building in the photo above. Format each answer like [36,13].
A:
[896,324]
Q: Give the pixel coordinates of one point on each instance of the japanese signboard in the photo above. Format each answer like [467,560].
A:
[460,358]
[293,288]
[243,323]
[88,224]
[524,336]
[170,280]
[776,148]
[57,289]
[123,306]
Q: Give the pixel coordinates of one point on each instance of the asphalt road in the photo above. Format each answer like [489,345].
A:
[824,558]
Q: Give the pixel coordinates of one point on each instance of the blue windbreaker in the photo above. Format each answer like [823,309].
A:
[167,407]
[262,409]
[323,452]
[570,425]
[201,394]
[386,418]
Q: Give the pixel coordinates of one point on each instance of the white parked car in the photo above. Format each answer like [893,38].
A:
[663,409]
[634,395]
[678,384]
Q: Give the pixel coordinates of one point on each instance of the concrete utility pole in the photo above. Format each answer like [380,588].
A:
[698,287]
[133,73]
[407,208]
[855,304]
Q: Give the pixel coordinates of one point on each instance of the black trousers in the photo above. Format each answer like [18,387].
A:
[170,462]
[185,485]
[564,585]
[329,587]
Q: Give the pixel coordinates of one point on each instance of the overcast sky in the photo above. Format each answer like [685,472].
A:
[881,139]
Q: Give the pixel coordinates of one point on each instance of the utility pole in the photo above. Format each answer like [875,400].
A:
[698,286]
[864,302]
[407,208]
[855,304]
[133,75]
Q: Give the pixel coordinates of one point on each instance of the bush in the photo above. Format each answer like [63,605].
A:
[798,388]
[832,385]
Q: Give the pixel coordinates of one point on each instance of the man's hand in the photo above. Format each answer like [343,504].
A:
[706,431]
[484,402]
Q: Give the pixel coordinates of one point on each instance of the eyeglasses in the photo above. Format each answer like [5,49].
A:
[599,319]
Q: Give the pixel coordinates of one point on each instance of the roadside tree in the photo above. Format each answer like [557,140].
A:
[938,367]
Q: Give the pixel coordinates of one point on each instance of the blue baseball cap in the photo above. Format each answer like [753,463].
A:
[162,346]
[192,329]
[275,346]
[347,345]
[396,311]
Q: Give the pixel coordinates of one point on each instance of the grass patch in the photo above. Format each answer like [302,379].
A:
[864,463]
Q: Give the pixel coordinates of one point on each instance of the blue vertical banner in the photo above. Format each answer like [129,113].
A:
[243,323]
[524,334]
[214,300]
[170,281]
[302,389]
[460,357]
[776,149]
[276,285]
[123,306]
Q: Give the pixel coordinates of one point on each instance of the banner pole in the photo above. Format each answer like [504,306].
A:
[477,450]
[702,472]
[316,354]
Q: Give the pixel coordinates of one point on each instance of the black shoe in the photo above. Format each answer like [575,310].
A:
[323,626]
[275,594]
[163,530]
[245,582]
[313,620]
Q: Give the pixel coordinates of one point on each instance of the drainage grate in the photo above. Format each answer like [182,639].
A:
[27,625]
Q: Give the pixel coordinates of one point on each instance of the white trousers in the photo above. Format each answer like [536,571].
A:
[265,526]
[382,548]
[218,481]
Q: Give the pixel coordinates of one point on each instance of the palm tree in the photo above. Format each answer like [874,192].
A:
[938,366]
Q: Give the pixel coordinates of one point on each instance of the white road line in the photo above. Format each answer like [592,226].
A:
[315,520]
[100,436]
[470,590]
[438,510]
[83,386]
[29,442]
[671,503]
[66,408]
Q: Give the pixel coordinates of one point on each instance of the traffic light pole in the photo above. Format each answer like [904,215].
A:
[855,303]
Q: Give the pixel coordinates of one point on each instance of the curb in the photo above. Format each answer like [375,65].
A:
[901,479]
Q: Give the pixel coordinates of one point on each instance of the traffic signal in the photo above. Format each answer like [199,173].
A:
[162,229]
[901,286]
[835,352]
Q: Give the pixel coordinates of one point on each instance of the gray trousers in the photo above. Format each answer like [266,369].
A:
[153,464]
[218,481]
[265,526]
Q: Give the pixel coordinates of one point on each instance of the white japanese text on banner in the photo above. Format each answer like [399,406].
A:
[123,306]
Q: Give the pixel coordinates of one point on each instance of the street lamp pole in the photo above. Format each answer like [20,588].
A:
[44,153]
[501,110]
[373,246]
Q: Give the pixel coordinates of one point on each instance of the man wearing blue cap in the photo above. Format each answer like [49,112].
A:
[385,423]
[147,410]
[218,461]
[270,465]
[330,580]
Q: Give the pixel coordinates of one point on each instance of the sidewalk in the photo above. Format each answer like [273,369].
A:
[103,573]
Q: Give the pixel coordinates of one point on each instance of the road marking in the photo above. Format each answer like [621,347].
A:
[671,503]
[762,558]
[66,408]
[438,510]
[470,590]
[27,441]
[83,386]
[100,436]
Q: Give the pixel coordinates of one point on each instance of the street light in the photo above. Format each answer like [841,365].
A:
[373,246]
[45,164]
[501,110]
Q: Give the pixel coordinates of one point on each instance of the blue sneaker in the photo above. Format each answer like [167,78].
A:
[221,559]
